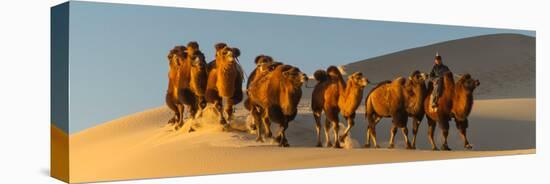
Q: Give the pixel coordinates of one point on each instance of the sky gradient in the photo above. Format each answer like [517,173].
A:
[117,53]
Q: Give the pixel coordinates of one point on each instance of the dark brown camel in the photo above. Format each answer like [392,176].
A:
[332,95]
[278,94]
[415,92]
[456,101]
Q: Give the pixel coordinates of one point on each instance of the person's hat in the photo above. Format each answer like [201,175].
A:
[437,56]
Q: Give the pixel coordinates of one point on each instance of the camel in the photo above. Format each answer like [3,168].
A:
[415,92]
[174,58]
[190,84]
[264,65]
[387,99]
[456,101]
[277,93]
[225,78]
[333,96]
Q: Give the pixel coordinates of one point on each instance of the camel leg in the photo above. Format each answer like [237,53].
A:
[405,132]
[445,131]
[367,137]
[283,133]
[281,139]
[267,126]
[170,103]
[219,108]
[393,130]
[335,128]
[372,134]
[431,129]
[181,109]
[351,122]
[327,135]
[257,119]
[317,116]
[416,124]
[201,105]
[228,108]
[462,126]
[193,110]
[370,129]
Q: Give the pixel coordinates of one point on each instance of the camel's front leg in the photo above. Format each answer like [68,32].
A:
[351,122]
[181,110]
[393,130]
[257,118]
[462,126]
[228,108]
[445,131]
[431,128]
[335,128]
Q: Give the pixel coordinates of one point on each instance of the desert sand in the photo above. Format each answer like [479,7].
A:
[502,122]
[143,146]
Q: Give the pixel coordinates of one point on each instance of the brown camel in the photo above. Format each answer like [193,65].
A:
[332,95]
[175,57]
[415,92]
[264,65]
[456,101]
[191,82]
[387,99]
[277,93]
[225,78]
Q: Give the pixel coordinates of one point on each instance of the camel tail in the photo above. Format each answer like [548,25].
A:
[320,75]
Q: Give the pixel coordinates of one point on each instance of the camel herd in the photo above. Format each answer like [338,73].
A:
[274,90]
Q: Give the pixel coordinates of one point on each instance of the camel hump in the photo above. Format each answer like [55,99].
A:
[320,75]
[399,81]
[380,84]
[334,72]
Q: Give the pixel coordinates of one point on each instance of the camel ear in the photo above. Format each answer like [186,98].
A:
[193,44]
[477,83]
[258,58]
[236,52]
[219,46]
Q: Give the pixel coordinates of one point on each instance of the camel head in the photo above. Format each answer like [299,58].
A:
[176,56]
[265,68]
[357,79]
[226,53]
[192,47]
[294,76]
[264,63]
[263,59]
[467,82]
[418,77]
[197,60]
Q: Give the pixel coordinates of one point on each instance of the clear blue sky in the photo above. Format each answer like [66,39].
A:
[118,62]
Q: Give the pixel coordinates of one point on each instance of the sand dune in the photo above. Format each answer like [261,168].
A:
[504,63]
[142,146]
